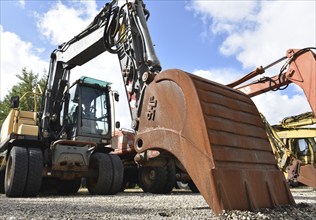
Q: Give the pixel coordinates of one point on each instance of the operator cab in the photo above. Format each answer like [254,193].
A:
[89,111]
[305,149]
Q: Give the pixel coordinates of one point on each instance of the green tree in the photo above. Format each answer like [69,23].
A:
[28,81]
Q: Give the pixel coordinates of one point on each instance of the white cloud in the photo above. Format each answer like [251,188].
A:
[61,23]
[21,3]
[225,14]
[276,106]
[15,55]
[222,76]
[258,33]
[276,32]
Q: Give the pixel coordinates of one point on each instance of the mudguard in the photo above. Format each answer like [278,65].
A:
[217,134]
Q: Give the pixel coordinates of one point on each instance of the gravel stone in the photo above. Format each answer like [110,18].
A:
[134,204]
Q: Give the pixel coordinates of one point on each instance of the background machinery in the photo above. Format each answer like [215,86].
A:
[209,131]
[292,142]
[294,146]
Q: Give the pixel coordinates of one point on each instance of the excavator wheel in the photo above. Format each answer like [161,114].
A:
[117,174]
[171,177]
[152,179]
[101,164]
[16,172]
[158,180]
[109,171]
[218,136]
[34,175]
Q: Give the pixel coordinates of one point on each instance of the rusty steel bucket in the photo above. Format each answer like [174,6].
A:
[218,136]
[307,175]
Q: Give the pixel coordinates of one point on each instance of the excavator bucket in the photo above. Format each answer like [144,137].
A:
[307,175]
[218,136]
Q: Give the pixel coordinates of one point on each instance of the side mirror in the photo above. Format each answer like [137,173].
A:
[116,96]
[15,101]
[117,124]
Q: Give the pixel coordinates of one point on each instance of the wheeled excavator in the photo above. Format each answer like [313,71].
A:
[34,159]
[210,131]
[292,142]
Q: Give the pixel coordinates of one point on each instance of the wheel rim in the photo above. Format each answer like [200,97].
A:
[148,176]
[152,175]
[9,170]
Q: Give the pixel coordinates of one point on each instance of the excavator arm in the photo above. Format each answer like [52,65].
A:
[299,68]
[121,30]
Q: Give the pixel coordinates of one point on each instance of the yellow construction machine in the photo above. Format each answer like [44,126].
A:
[294,145]
[211,132]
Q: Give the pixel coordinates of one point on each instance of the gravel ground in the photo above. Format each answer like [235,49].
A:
[135,204]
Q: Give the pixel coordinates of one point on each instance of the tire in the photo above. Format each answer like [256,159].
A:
[68,187]
[153,179]
[117,174]
[171,177]
[158,180]
[100,184]
[34,175]
[2,175]
[16,172]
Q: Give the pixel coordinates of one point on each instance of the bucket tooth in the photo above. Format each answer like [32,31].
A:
[217,134]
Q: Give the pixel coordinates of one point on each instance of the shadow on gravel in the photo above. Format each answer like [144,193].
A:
[201,208]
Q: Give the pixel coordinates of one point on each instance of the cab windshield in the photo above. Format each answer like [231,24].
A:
[91,105]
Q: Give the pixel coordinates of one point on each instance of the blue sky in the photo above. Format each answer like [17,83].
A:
[218,40]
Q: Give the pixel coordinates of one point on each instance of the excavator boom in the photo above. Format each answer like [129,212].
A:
[300,70]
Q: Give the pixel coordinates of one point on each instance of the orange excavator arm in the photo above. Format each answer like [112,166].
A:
[300,68]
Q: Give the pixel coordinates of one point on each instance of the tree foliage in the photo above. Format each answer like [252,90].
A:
[28,81]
